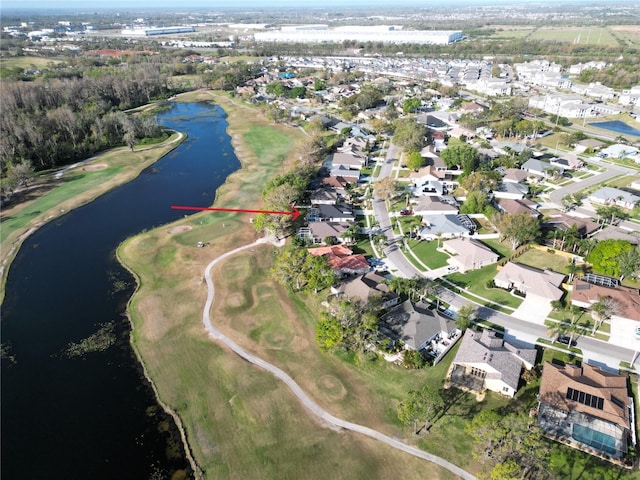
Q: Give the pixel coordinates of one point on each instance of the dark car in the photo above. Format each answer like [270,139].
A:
[406,211]
[565,339]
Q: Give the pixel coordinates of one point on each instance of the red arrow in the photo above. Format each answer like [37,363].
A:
[294,214]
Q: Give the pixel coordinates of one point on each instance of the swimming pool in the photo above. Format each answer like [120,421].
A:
[598,440]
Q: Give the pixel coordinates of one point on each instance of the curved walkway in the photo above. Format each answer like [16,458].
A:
[328,419]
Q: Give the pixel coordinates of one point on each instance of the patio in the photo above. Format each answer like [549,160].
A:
[461,379]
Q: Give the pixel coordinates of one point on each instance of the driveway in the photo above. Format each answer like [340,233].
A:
[533,310]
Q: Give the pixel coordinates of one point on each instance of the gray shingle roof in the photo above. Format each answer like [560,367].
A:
[484,348]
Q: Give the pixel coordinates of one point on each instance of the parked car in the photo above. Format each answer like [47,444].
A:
[405,212]
[451,268]
[565,339]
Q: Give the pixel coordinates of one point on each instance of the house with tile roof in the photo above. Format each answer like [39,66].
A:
[469,254]
[417,326]
[534,283]
[342,259]
[486,362]
[588,408]
[366,287]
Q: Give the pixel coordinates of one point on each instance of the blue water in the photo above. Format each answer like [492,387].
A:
[618,127]
[593,438]
[95,417]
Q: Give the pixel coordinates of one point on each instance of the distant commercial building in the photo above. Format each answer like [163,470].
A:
[383,33]
[150,31]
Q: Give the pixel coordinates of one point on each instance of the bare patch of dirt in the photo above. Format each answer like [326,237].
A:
[179,229]
[95,167]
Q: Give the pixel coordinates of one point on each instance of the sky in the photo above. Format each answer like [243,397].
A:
[94,5]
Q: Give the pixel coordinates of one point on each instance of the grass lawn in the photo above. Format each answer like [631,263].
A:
[475,281]
[49,197]
[600,36]
[503,248]
[26,62]
[542,260]
[427,253]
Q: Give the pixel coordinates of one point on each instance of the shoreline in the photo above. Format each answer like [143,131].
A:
[15,239]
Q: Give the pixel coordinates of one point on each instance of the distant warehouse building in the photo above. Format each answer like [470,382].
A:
[149,31]
[382,33]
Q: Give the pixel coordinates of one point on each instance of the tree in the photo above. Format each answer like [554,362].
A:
[606,257]
[414,160]
[349,323]
[465,316]
[630,263]
[420,406]
[481,181]
[611,212]
[298,270]
[518,229]
[513,438]
[409,134]
[410,105]
[461,155]
[476,202]
[603,310]
[385,189]
[20,174]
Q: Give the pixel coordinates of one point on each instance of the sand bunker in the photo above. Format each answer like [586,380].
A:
[93,168]
[182,228]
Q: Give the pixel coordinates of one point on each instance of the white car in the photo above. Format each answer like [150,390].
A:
[451,268]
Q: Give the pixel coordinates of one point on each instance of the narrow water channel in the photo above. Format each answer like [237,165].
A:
[94,415]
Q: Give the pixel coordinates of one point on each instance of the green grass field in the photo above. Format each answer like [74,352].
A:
[600,36]
[26,62]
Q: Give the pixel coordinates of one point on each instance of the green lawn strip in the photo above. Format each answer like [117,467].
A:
[475,281]
[561,347]
[267,143]
[428,254]
[502,248]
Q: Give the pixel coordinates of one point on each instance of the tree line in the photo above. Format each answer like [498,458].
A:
[58,121]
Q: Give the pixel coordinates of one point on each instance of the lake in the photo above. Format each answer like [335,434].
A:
[95,415]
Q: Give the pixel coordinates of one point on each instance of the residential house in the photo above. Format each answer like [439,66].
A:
[428,181]
[535,284]
[349,175]
[507,148]
[325,196]
[541,168]
[446,226]
[518,206]
[588,408]
[591,143]
[321,232]
[472,107]
[630,97]
[486,362]
[469,254]
[431,205]
[338,212]
[619,150]
[458,132]
[614,196]
[625,321]
[516,175]
[418,327]
[616,233]
[342,259]
[566,163]
[347,160]
[365,288]
[563,223]
[514,191]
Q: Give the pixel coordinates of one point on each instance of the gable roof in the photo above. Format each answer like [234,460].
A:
[341,257]
[486,348]
[611,193]
[414,323]
[515,175]
[429,202]
[517,206]
[542,283]
[445,224]
[591,380]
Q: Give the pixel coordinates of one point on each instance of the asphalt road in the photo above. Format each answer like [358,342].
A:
[325,417]
[597,351]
